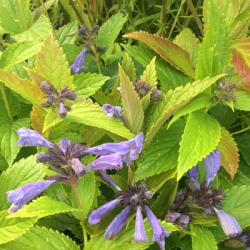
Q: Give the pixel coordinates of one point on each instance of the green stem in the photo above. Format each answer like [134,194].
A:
[241,131]
[5,100]
[195,14]
[176,18]
[71,2]
[78,202]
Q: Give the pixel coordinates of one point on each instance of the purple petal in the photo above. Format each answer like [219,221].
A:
[112,111]
[77,65]
[64,145]
[77,166]
[62,110]
[229,224]
[212,165]
[29,137]
[113,161]
[117,224]
[47,88]
[96,215]
[172,216]
[140,234]
[26,193]
[184,220]
[193,173]
[109,180]
[159,233]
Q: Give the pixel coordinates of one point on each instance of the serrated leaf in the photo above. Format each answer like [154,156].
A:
[18,52]
[149,74]
[229,153]
[8,137]
[38,32]
[87,113]
[109,31]
[215,50]
[68,33]
[243,142]
[242,100]
[42,207]
[87,84]
[187,40]
[237,203]
[199,102]
[11,229]
[241,59]
[201,136]
[37,118]
[128,66]
[161,154]
[51,119]
[52,66]
[131,103]
[169,51]
[42,238]
[15,16]
[87,190]
[201,236]
[24,87]
[24,171]
[173,101]
[167,74]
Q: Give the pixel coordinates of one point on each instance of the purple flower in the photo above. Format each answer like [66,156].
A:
[172,216]
[78,167]
[228,223]
[77,65]
[183,220]
[140,234]
[26,193]
[193,173]
[129,150]
[117,224]
[212,165]
[29,137]
[159,233]
[112,111]
[108,180]
[105,162]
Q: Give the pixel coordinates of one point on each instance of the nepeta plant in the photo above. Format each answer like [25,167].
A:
[115,138]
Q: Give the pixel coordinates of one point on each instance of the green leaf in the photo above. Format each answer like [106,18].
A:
[201,136]
[149,74]
[242,100]
[187,40]
[42,207]
[201,236]
[11,229]
[24,87]
[131,104]
[38,32]
[161,154]
[67,33]
[52,66]
[215,50]
[128,66]
[15,16]
[51,119]
[199,102]
[24,171]
[8,137]
[87,84]
[87,113]
[243,142]
[42,238]
[87,190]
[109,31]
[167,74]
[18,52]
[169,51]
[173,101]
[237,203]
[229,153]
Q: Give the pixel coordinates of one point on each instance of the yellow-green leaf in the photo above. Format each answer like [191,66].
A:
[149,74]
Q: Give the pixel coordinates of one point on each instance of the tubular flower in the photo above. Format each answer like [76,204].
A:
[77,65]
[204,197]
[113,111]
[134,199]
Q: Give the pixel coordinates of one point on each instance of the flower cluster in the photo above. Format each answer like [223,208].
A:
[65,160]
[203,197]
[135,198]
[57,98]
